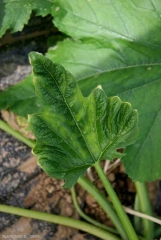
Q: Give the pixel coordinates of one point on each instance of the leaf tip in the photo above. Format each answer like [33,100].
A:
[99,87]
[33,56]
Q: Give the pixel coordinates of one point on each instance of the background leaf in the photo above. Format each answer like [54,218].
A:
[13,16]
[20,98]
[73,132]
[129,20]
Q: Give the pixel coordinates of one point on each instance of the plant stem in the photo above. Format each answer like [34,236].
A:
[4,126]
[116,203]
[103,202]
[74,223]
[145,207]
[137,220]
[86,217]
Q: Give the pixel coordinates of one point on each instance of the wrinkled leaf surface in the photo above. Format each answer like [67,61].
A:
[73,132]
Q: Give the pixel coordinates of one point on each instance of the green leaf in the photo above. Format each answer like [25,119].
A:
[119,19]
[73,132]
[14,14]
[21,98]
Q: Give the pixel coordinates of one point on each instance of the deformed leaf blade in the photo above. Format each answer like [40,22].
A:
[73,132]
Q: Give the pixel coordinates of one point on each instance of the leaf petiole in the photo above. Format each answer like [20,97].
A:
[86,217]
[66,221]
[116,203]
[105,205]
[5,127]
[145,207]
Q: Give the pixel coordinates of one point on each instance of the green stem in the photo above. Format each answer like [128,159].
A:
[103,202]
[145,207]
[86,217]
[116,203]
[137,220]
[69,222]
[4,126]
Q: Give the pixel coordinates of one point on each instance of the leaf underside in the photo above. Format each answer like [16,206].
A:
[73,132]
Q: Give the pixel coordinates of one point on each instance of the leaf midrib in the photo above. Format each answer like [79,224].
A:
[107,147]
[70,113]
[117,69]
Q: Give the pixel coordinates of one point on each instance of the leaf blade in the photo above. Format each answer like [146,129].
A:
[67,128]
[129,20]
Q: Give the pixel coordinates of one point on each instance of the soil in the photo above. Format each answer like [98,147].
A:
[24,184]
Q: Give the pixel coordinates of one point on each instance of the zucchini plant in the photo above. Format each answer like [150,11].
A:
[117,45]
[114,44]
[73,133]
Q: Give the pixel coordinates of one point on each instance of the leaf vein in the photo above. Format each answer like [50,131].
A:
[70,112]
[52,130]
